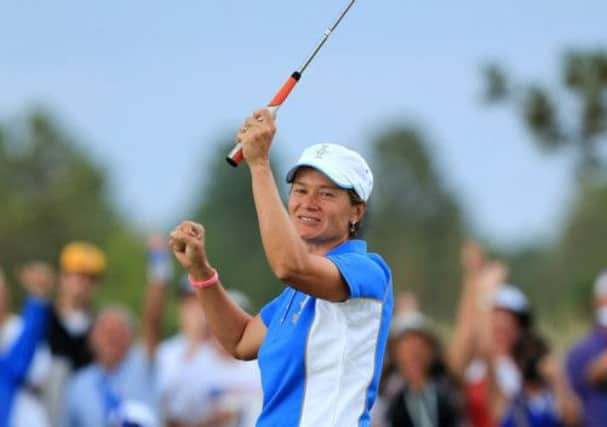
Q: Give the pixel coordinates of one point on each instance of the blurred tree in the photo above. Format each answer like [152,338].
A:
[582,251]
[125,281]
[233,243]
[415,223]
[559,275]
[52,193]
[549,116]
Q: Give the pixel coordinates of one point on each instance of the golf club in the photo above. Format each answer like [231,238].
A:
[235,156]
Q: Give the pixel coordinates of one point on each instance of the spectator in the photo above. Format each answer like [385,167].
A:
[227,391]
[427,397]
[391,381]
[491,318]
[235,384]
[545,399]
[121,377]
[320,344]
[182,357]
[17,354]
[120,386]
[28,408]
[81,265]
[404,303]
[587,362]
[186,355]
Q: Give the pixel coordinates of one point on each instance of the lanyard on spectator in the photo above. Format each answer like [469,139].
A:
[111,399]
[422,406]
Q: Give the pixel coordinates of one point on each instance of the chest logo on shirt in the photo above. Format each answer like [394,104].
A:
[302,304]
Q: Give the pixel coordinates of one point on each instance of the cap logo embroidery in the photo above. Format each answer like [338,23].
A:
[324,149]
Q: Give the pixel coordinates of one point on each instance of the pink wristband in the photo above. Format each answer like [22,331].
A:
[201,284]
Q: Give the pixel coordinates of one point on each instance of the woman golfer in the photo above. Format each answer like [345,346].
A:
[321,342]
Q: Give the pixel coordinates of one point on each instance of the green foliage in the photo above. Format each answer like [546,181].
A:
[558,276]
[125,280]
[53,193]
[547,114]
[48,191]
[582,251]
[496,83]
[541,117]
[414,221]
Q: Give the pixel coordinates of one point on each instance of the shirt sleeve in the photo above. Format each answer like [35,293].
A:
[269,310]
[575,366]
[16,362]
[367,276]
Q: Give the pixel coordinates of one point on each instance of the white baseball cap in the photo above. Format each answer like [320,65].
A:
[413,321]
[600,285]
[346,168]
[511,298]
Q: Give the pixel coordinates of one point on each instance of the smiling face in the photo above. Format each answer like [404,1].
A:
[111,337]
[413,355]
[321,212]
[505,329]
[77,289]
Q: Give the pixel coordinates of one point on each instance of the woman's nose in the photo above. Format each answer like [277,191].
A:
[311,201]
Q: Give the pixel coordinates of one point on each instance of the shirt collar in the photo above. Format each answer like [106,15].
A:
[121,367]
[351,245]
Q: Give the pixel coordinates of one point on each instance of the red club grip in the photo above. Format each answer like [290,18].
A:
[285,90]
[235,156]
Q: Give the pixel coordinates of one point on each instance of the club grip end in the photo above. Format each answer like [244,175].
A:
[235,156]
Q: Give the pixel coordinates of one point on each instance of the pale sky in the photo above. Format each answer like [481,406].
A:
[149,87]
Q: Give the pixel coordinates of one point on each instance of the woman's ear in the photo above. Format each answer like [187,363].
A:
[358,211]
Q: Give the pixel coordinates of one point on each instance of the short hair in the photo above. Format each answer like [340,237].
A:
[120,311]
[356,229]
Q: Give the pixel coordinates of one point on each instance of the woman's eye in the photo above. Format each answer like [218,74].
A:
[327,194]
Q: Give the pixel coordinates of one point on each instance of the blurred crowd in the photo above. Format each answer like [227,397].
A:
[495,368]
[65,363]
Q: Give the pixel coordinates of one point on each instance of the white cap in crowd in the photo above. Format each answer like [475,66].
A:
[412,321]
[511,298]
[346,168]
[600,285]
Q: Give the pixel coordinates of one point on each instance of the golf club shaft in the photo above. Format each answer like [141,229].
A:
[235,156]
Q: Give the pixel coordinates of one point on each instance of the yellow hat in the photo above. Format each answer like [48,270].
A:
[82,257]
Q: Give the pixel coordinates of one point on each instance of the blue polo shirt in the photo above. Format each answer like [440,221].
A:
[94,394]
[592,397]
[321,361]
